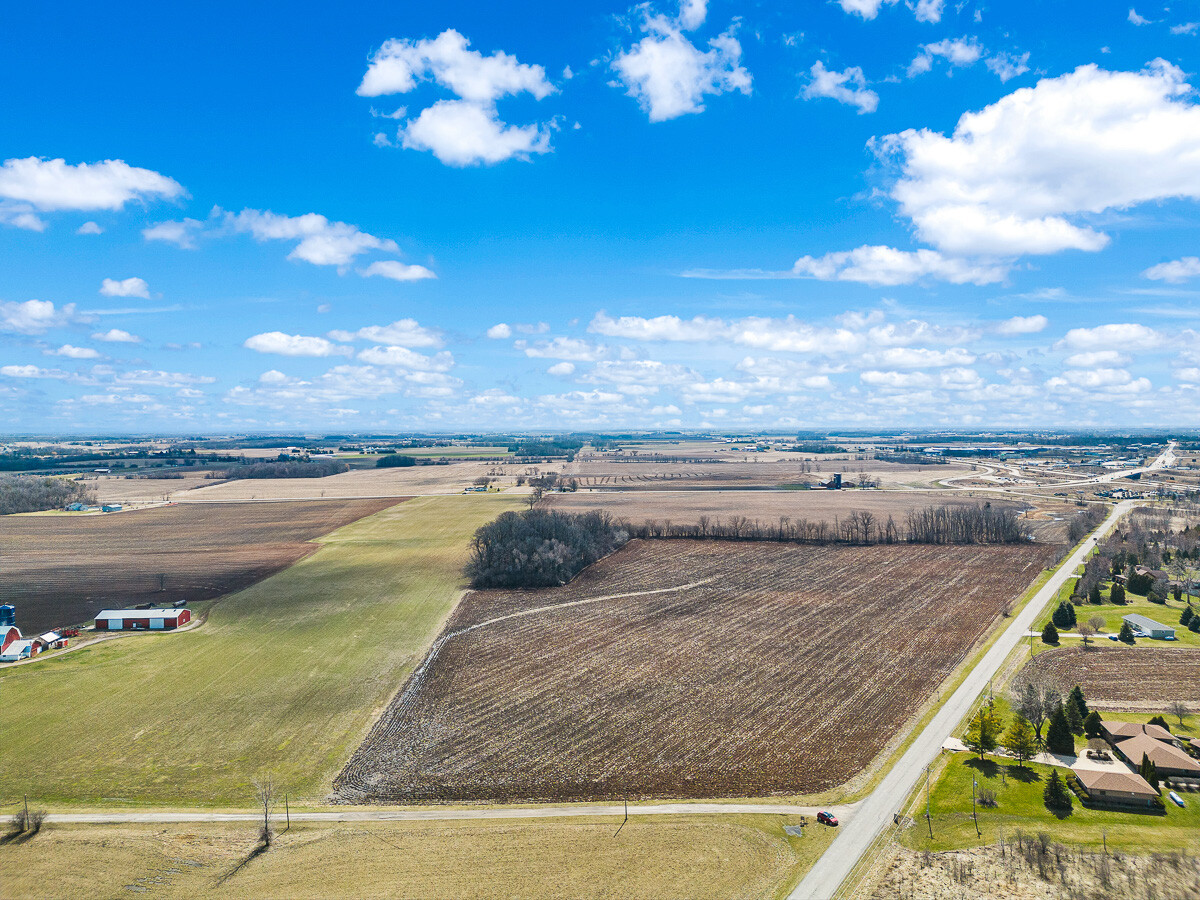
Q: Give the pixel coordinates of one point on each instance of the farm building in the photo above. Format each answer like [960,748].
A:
[141,619]
[1113,786]
[1149,628]
[8,634]
[20,649]
[1121,731]
[1169,761]
[52,640]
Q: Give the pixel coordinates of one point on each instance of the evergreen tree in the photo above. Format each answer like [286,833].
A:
[1020,740]
[1056,795]
[1185,617]
[1147,771]
[1049,634]
[1064,615]
[1094,595]
[1126,635]
[983,734]
[1117,595]
[1160,722]
[1076,697]
[1058,737]
[1091,725]
[1194,625]
[1074,720]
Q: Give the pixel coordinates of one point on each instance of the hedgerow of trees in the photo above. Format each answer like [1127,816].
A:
[540,548]
[21,494]
[294,468]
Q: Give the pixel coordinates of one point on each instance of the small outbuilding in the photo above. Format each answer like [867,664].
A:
[1116,787]
[142,619]
[52,640]
[18,650]
[1147,627]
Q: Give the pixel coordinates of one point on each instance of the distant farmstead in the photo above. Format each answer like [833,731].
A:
[141,619]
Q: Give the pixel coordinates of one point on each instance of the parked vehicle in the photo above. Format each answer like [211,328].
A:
[1176,799]
[827,818]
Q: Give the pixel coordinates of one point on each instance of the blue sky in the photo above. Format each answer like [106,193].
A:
[479,216]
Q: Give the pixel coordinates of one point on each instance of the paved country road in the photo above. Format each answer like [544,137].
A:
[876,811]
[439,813]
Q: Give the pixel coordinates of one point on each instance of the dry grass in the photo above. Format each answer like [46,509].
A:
[659,857]
[767,676]
[62,570]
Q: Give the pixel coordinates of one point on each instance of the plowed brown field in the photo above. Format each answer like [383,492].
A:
[1126,674]
[62,570]
[687,669]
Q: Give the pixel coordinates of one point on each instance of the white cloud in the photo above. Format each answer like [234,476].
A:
[868,9]
[466,131]
[1007,179]
[462,133]
[181,234]
[404,358]
[1097,358]
[50,184]
[20,215]
[1186,28]
[500,331]
[31,372]
[658,328]
[563,348]
[669,76]
[401,333]
[294,345]
[116,336]
[1126,336]
[73,352]
[562,369]
[1008,66]
[692,14]
[958,52]
[878,265]
[929,10]
[1136,19]
[1175,271]
[848,86]
[397,271]
[920,358]
[128,287]
[89,228]
[34,316]
[1022,325]
[320,241]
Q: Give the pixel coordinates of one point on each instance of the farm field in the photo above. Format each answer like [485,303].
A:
[1120,675]
[284,678]
[738,471]
[661,857]
[119,489]
[62,570]
[726,669]
[358,483]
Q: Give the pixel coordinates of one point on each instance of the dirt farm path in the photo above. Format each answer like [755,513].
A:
[441,813]
[876,811]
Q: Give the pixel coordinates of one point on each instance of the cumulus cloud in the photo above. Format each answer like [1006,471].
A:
[563,348]
[1022,325]
[500,331]
[1097,358]
[669,76]
[1125,336]
[1175,271]
[466,131]
[1007,66]
[72,352]
[182,233]
[1011,176]
[848,86]
[402,333]
[920,358]
[929,10]
[89,228]
[1136,19]
[116,336]
[397,271]
[319,241]
[868,9]
[294,345]
[692,14]
[127,287]
[561,369]
[34,316]
[34,184]
[879,265]
[958,52]
[408,359]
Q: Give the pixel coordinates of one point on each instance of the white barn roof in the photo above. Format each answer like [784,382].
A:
[138,613]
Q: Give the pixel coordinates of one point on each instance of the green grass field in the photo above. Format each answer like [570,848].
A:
[1166,613]
[284,678]
[1020,807]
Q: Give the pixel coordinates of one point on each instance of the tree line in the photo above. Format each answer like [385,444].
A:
[540,548]
[22,494]
[295,468]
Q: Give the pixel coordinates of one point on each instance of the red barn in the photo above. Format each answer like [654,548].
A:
[141,619]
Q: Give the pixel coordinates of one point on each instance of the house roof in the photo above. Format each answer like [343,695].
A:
[1140,621]
[1123,730]
[1114,780]
[138,613]
[1164,756]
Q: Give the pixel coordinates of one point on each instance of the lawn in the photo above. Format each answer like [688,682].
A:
[284,678]
[1020,807]
[659,856]
[1167,614]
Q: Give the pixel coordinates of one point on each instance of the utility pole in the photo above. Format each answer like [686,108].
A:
[928,820]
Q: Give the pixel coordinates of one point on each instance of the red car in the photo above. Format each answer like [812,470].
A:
[827,818]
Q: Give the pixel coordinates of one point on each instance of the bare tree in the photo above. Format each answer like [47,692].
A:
[1087,632]
[264,790]
[1097,623]
[1178,709]
[535,497]
[1036,696]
